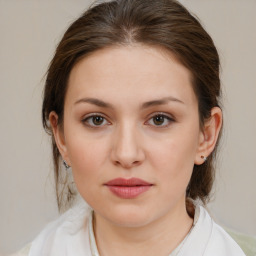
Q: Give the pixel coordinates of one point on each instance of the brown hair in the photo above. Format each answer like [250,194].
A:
[164,23]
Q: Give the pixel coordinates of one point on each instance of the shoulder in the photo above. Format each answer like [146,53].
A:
[220,242]
[208,238]
[23,252]
[246,242]
[61,235]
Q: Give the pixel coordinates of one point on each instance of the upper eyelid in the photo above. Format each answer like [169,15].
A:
[86,117]
[94,114]
[169,117]
[150,115]
[166,115]
[161,114]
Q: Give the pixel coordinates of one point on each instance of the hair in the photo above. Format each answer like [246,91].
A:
[164,23]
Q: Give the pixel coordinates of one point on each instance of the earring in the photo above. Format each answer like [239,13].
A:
[66,165]
[204,157]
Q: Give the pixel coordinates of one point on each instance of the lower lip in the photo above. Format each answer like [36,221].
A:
[128,192]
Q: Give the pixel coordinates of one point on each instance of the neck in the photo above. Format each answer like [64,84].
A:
[160,237]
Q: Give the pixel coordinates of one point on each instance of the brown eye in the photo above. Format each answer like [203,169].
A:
[158,120]
[97,120]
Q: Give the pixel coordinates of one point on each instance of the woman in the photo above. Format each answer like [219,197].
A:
[131,101]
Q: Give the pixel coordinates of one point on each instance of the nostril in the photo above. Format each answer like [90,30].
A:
[126,164]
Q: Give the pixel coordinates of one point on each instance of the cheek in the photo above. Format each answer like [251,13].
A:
[87,157]
[174,157]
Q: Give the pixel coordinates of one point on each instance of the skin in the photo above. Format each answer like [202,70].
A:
[129,141]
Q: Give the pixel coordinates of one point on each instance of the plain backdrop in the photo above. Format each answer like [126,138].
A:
[29,32]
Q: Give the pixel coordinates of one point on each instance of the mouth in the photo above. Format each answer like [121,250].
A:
[128,188]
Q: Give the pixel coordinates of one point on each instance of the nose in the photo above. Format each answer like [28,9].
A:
[127,150]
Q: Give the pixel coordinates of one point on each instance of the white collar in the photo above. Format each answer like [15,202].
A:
[69,235]
[94,249]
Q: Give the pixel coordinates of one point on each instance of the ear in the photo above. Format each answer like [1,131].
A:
[209,135]
[59,136]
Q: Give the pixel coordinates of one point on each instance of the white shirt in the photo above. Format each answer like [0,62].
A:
[69,235]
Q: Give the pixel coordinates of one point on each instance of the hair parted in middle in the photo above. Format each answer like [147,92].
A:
[157,23]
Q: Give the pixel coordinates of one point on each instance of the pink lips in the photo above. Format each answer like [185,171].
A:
[128,188]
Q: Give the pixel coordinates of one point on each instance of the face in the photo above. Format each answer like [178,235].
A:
[131,132]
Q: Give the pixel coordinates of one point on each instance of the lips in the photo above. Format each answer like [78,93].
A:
[128,188]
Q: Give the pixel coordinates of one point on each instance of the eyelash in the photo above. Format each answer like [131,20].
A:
[85,120]
[167,118]
[163,115]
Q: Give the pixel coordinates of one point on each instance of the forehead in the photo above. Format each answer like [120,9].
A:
[121,71]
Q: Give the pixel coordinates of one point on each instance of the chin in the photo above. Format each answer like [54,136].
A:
[128,216]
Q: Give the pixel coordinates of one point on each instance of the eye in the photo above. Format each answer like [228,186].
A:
[95,120]
[160,120]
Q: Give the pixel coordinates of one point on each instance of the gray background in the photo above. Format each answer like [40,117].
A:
[29,32]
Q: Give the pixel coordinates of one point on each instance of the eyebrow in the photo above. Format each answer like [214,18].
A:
[162,101]
[94,101]
[147,104]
